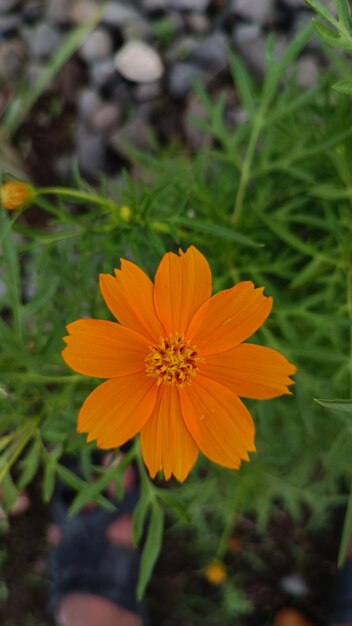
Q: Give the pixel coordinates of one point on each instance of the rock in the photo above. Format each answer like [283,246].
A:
[138,62]
[33,11]
[91,151]
[12,57]
[118,14]
[211,53]
[58,11]
[147,91]
[197,23]
[138,28]
[136,133]
[97,46]
[10,23]
[258,11]
[88,103]
[294,585]
[101,72]
[181,78]
[181,50]
[42,40]
[106,117]
[81,10]
[250,42]
[33,71]
[63,166]
[307,71]
[8,5]
[195,110]
[189,5]
[151,6]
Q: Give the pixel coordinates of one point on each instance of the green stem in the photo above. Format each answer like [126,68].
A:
[75,194]
[246,167]
[227,532]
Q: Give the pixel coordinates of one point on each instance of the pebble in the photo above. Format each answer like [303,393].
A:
[101,72]
[307,71]
[294,585]
[42,40]
[180,50]
[250,41]
[181,78]
[258,11]
[97,46]
[147,91]
[197,22]
[195,110]
[10,23]
[57,11]
[91,151]
[12,57]
[81,10]
[138,28]
[212,52]
[189,5]
[118,14]
[135,133]
[106,117]
[88,103]
[139,62]
[8,5]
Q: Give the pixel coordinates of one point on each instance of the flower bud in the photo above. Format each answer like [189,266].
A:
[215,572]
[16,195]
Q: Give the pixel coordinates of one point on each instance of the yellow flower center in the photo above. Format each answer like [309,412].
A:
[173,362]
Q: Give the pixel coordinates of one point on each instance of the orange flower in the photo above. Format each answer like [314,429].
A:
[16,195]
[176,365]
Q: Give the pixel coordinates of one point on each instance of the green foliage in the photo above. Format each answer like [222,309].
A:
[270,201]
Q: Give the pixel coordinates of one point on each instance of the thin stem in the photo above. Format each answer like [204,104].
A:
[246,167]
[77,194]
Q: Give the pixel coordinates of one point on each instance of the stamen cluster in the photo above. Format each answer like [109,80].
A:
[173,362]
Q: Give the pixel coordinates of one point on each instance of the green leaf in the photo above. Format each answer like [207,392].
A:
[242,82]
[139,516]
[326,33]
[321,9]
[344,13]
[217,231]
[151,548]
[346,533]
[30,464]
[336,405]
[343,86]
[175,503]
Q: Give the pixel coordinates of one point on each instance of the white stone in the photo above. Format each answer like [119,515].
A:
[139,62]
[295,585]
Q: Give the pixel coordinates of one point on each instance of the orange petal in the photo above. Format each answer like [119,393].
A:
[218,421]
[129,296]
[166,442]
[104,349]
[228,318]
[251,371]
[117,410]
[182,284]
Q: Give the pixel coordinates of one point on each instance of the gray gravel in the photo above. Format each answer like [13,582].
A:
[133,75]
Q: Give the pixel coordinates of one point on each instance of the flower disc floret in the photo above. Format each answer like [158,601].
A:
[173,361]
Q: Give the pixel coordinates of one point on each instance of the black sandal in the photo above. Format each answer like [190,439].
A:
[86,561]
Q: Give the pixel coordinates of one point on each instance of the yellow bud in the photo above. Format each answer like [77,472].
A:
[125,213]
[215,572]
[16,195]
